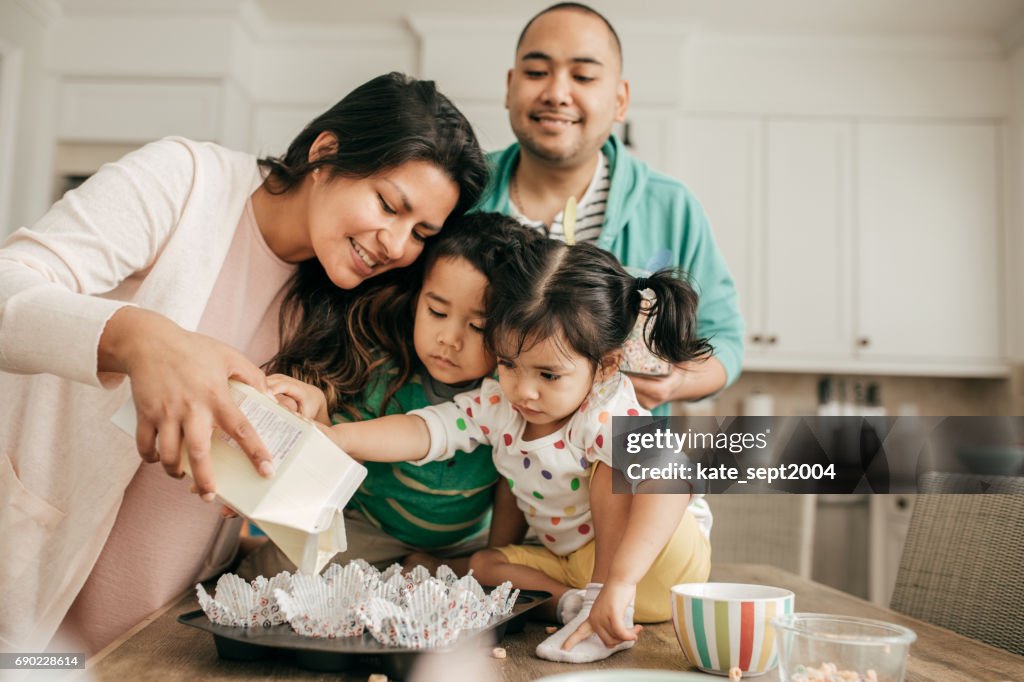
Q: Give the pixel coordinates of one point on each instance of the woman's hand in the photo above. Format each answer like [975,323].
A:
[306,399]
[180,387]
[606,617]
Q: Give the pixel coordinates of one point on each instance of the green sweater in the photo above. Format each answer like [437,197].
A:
[427,506]
[654,221]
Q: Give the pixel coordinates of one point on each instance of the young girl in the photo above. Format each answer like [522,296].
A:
[442,508]
[557,318]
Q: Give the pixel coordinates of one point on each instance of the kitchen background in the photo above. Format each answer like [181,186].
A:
[862,162]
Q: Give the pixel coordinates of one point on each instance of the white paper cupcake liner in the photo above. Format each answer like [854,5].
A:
[331,606]
[414,610]
[238,603]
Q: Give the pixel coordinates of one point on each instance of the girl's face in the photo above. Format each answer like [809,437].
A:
[448,332]
[546,384]
[361,227]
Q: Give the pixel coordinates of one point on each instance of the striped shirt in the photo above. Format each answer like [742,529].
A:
[589,210]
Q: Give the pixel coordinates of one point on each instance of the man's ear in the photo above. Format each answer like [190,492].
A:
[621,100]
[325,144]
[508,86]
[609,364]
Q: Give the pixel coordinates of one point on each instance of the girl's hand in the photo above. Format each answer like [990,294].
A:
[179,382]
[606,617]
[306,399]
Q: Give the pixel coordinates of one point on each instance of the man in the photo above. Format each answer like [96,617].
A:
[565,92]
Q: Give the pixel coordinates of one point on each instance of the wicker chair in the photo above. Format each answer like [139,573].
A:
[776,529]
[962,567]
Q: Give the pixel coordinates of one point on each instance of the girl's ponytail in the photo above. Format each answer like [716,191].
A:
[670,329]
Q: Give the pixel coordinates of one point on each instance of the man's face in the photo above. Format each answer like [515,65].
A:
[566,90]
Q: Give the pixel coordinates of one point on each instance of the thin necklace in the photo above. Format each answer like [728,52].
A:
[513,189]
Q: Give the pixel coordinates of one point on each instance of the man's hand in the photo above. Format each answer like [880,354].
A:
[688,381]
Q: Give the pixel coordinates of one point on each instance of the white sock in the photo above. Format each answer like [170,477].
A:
[569,604]
[590,649]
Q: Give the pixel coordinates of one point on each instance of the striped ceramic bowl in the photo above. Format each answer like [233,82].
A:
[725,625]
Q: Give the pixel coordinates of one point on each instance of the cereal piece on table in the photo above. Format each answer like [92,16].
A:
[550,629]
[872,676]
[378,677]
[735,674]
[498,652]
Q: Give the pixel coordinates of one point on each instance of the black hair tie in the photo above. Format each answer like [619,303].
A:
[641,283]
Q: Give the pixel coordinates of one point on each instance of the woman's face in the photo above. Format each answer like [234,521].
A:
[361,227]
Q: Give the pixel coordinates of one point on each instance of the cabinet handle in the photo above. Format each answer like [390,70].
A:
[863,342]
[755,338]
[772,339]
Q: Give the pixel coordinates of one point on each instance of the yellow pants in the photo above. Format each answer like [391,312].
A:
[685,559]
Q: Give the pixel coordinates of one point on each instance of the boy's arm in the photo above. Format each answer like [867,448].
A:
[508,523]
[395,438]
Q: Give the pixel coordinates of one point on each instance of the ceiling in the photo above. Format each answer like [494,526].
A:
[952,18]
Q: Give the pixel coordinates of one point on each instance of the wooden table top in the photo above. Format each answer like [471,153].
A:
[163,649]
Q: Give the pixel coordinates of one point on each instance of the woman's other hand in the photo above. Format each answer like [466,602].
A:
[298,396]
[180,387]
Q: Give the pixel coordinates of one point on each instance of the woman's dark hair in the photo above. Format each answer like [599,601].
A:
[383,124]
[581,295]
[376,330]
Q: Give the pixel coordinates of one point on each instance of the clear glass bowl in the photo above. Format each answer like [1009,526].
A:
[812,643]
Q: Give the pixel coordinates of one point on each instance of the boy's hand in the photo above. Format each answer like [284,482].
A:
[298,396]
[606,617]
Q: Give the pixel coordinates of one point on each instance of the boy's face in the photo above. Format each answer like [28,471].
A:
[448,332]
[565,90]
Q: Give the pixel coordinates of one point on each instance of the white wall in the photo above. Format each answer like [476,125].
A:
[123,72]
[27,94]
[1015,213]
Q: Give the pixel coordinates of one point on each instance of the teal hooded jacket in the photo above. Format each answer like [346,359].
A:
[653,221]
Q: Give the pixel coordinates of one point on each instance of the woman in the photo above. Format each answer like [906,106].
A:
[170,267]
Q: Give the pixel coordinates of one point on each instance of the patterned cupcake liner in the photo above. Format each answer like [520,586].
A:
[413,610]
[326,606]
[239,603]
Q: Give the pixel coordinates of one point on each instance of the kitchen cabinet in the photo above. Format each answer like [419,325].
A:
[888,524]
[857,247]
[806,286]
[928,243]
[719,159]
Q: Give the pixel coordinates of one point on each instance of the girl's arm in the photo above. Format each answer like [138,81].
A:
[508,523]
[395,438]
[652,521]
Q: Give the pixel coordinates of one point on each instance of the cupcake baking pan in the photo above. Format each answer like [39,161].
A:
[343,653]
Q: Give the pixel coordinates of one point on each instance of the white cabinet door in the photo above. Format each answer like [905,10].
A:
[928,243]
[806,290]
[720,161]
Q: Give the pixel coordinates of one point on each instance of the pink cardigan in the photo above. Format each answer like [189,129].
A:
[151,230]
